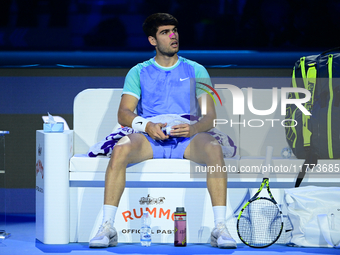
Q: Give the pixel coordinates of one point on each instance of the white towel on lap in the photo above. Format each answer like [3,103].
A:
[105,146]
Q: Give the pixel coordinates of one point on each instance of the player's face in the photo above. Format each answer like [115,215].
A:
[167,40]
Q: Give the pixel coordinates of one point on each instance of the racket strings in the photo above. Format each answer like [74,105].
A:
[260,223]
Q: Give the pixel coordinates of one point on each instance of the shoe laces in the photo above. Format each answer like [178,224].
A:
[105,225]
[221,228]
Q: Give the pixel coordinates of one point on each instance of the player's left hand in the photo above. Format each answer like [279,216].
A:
[182,130]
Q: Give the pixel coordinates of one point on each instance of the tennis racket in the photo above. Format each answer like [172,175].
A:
[260,221]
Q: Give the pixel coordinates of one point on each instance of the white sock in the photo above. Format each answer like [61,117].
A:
[219,214]
[109,213]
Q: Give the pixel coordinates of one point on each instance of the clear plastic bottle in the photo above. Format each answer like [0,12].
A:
[145,230]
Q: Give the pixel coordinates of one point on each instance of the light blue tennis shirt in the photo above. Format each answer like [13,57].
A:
[166,90]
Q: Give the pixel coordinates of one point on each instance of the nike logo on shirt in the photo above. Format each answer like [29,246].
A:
[183,79]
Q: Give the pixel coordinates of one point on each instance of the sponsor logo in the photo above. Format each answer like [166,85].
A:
[159,231]
[37,188]
[156,213]
[39,150]
[39,168]
[151,201]
[183,79]
[160,213]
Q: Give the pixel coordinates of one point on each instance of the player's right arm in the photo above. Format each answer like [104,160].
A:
[126,109]
[126,116]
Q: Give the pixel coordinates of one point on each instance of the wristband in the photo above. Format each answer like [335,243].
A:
[139,123]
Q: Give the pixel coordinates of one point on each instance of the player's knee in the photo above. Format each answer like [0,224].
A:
[120,154]
[119,158]
[121,150]
[213,149]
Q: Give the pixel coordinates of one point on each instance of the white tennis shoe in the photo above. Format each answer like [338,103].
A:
[105,237]
[221,238]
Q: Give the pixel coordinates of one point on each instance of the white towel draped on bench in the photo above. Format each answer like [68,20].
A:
[105,146]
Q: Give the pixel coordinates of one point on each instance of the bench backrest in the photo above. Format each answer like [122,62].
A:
[259,131]
[94,116]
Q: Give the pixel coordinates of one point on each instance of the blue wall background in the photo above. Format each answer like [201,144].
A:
[108,25]
[39,95]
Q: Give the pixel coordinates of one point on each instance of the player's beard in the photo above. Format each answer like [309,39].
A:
[167,51]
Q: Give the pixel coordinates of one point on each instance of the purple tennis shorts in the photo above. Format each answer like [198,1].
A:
[173,147]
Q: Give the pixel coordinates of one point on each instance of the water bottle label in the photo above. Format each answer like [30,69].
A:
[146,237]
[180,217]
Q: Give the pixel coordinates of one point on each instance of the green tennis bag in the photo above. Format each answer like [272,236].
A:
[316,135]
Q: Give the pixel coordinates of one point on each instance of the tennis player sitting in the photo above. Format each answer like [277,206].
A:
[163,85]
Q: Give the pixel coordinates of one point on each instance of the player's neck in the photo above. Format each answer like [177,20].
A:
[166,61]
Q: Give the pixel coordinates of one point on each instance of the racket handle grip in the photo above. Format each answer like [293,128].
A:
[267,161]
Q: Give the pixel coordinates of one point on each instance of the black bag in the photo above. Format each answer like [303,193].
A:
[317,135]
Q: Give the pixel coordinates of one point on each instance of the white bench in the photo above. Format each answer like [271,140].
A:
[156,185]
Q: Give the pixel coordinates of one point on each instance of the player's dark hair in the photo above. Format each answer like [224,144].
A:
[151,24]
